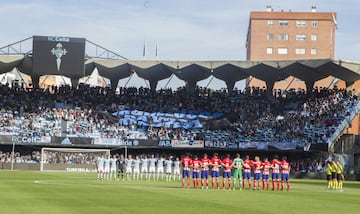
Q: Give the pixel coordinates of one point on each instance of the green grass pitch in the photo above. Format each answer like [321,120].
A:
[39,193]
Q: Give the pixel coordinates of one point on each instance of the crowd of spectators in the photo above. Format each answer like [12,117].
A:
[252,115]
[310,164]
[70,158]
[33,157]
[50,157]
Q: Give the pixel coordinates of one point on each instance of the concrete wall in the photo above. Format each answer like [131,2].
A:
[51,167]
[20,166]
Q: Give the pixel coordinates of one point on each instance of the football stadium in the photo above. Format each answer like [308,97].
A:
[111,148]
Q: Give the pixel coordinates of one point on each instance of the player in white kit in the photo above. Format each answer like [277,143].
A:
[152,167]
[100,167]
[168,168]
[107,167]
[144,167]
[113,167]
[129,162]
[160,168]
[176,171]
[136,170]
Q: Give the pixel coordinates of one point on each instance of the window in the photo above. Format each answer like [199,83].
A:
[269,50]
[314,23]
[313,51]
[300,23]
[270,36]
[313,37]
[283,37]
[282,51]
[300,51]
[270,23]
[284,23]
[300,37]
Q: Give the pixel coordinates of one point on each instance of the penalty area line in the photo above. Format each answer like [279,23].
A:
[66,183]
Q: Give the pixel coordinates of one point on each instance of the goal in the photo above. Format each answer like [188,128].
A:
[70,159]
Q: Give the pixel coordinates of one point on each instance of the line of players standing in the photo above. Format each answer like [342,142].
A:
[241,172]
[144,168]
[106,167]
[335,175]
[138,168]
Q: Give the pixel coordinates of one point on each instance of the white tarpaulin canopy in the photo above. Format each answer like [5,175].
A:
[191,72]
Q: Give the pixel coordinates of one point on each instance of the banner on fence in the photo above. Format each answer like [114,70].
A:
[71,140]
[126,142]
[187,143]
[22,140]
[164,143]
[17,139]
[221,144]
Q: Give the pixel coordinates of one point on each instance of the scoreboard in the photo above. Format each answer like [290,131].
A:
[55,55]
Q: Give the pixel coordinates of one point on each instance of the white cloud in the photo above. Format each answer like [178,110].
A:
[183,29]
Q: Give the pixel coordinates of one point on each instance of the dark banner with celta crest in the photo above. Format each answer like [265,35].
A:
[57,55]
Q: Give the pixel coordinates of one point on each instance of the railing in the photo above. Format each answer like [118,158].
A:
[346,122]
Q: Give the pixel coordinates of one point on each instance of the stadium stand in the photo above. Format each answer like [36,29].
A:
[251,115]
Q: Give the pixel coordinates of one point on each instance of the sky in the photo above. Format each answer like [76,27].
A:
[179,29]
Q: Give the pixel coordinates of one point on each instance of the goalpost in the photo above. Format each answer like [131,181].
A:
[70,159]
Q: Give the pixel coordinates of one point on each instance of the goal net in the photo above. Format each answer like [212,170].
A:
[70,159]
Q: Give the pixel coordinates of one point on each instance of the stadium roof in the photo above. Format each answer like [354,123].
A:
[191,72]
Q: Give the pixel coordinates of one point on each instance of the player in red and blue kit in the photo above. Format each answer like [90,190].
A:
[227,164]
[186,163]
[215,163]
[205,162]
[275,177]
[196,164]
[265,165]
[257,171]
[247,171]
[285,171]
